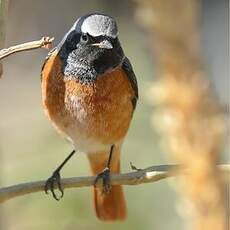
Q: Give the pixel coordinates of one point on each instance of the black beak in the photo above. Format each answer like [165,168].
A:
[105,44]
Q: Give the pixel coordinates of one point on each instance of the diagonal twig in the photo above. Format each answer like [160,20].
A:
[44,42]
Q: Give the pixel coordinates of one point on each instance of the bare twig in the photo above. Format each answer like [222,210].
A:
[148,175]
[3,18]
[45,42]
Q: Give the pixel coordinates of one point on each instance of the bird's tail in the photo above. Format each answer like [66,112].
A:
[111,206]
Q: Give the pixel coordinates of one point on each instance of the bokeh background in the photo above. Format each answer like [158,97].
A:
[30,149]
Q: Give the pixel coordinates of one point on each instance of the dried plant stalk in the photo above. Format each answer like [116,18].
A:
[192,121]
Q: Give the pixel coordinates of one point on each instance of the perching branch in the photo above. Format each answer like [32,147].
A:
[148,175]
[45,42]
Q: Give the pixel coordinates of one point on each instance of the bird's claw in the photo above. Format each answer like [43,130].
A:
[54,182]
[105,176]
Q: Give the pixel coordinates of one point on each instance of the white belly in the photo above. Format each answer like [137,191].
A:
[88,146]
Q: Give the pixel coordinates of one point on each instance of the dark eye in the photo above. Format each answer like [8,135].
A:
[84,38]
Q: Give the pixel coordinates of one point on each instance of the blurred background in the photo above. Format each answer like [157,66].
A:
[30,149]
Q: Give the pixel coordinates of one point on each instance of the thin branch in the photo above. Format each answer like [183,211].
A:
[44,42]
[148,175]
[3,18]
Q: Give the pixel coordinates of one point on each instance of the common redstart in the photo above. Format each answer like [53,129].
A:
[89,93]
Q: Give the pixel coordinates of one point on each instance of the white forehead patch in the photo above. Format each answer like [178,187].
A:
[100,25]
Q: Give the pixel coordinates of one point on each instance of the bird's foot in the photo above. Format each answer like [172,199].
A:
[54,182]
[105,177]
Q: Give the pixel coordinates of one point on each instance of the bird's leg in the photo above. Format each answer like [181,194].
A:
[55,180]
[105,174]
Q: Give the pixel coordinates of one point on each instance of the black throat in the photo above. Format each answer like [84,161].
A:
[87,63]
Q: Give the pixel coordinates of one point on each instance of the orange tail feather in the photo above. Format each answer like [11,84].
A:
[108,207]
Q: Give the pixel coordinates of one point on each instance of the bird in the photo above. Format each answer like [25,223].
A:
[89,93]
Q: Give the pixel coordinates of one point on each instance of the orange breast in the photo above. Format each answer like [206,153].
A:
[101,111]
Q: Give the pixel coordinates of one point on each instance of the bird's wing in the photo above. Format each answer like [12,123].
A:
[47,58]
[127,67]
